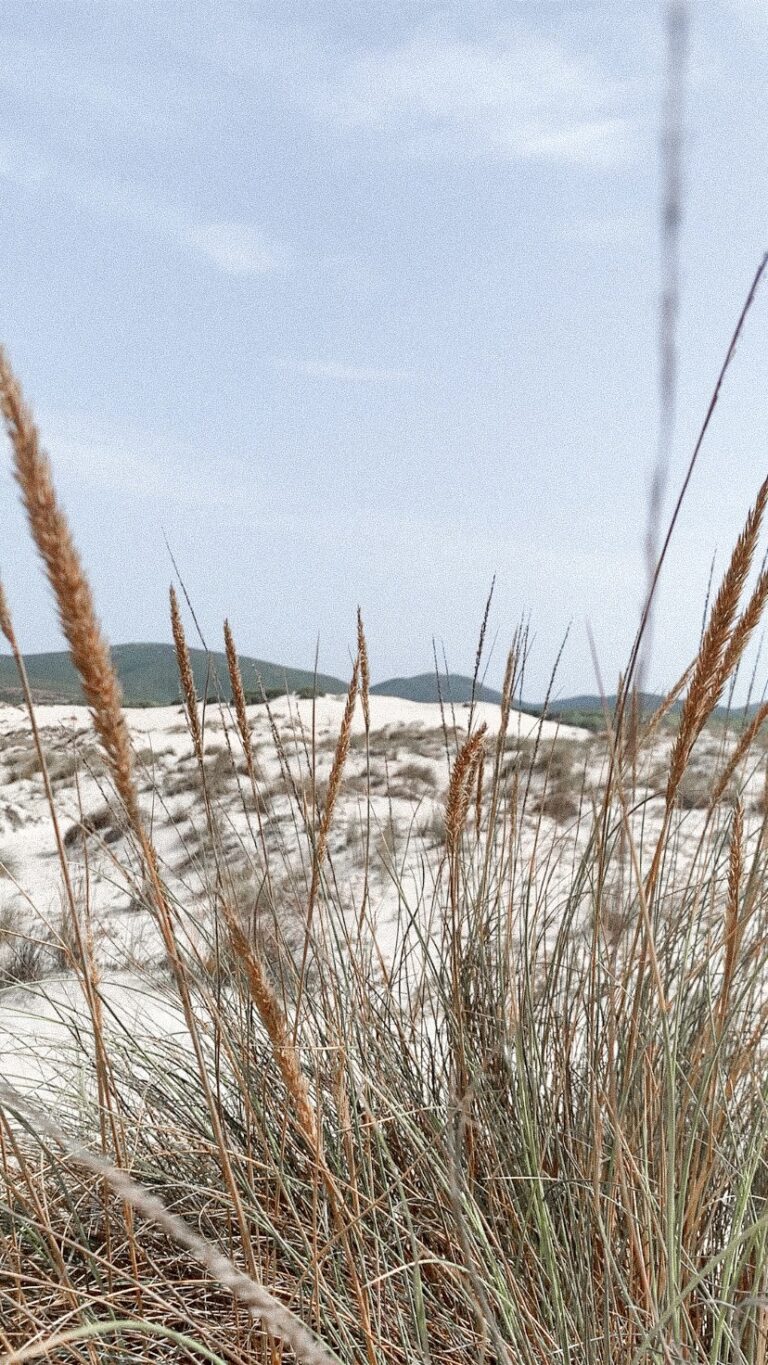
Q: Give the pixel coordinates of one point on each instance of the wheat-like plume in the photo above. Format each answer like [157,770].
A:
[507,689]
[274,1021]
[186,675]
[262,993]
[6,623]
[74,600]
[238,693]
[460,786]
[99,681]
[740,636]
[714,652]
[739,754]
[365,675]
[337,767]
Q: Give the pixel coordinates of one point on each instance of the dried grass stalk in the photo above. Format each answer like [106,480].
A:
[238,693]
[92,659]
[276,1318]
[739,754]
[714,653]
[507,692]
[189,691]
[664,707]
[74,599]
[274,1021]
[365,675]
[734,922]
[334,785]
[339,762]
[479,793]
[460,787]
[741,635]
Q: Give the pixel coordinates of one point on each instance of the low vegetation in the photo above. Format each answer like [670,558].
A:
[530,1126]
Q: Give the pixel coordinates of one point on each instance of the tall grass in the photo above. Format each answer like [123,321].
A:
[533,1130]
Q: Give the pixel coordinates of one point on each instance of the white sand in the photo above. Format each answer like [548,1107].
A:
[408,775]
[386,712]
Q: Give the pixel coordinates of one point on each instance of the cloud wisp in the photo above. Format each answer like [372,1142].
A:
[524,97]
[231,246]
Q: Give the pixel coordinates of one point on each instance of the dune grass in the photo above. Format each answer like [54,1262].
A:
[535,1129]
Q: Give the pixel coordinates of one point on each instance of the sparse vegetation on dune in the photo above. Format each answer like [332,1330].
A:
[525,1119]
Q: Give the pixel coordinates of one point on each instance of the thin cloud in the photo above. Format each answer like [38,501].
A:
[349,374]
[524,98]
[164,472]
[233,247]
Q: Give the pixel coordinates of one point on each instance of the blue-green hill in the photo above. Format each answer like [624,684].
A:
[150,677]
[454,687]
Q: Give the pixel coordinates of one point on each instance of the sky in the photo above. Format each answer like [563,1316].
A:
[358,303]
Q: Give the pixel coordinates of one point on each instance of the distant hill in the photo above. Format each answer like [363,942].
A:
[149,676]
[454,687]
[589,709]
[589,703]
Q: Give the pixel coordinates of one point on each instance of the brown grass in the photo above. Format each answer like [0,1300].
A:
[722,645]
[74,600]
[529,1138]
[186,676]
[460,787]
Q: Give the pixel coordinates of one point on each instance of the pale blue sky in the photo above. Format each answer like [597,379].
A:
[357,302]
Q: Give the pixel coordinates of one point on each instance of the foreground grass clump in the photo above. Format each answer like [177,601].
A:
[532,1126]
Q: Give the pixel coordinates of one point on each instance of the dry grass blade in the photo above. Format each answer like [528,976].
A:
[275,1023]
[479,652]
[664,707]
[337,767]
[714,651]
[479,793]
[740,636]
[365,674]
[74,599]
[460,787]
[238,693]
[189,691]
[713,402]
[277,1319]
[739,754]
[734,924]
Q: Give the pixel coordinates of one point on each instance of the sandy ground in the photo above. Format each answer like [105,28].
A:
[393,826]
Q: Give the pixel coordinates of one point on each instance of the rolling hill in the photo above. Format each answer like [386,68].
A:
[589,709]
[149,676]
[454,687]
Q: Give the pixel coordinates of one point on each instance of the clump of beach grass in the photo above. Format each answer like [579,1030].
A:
[535,1128]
